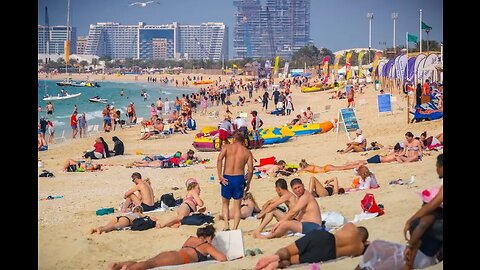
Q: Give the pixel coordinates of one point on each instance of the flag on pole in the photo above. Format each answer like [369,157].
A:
[360,56]
[348,66]
[67,51]
[412,38]
[234,66]
[275,69]
[425,26]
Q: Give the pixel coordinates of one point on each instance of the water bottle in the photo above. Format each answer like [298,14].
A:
[212,179]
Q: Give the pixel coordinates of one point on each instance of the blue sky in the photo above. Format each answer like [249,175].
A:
[335,24]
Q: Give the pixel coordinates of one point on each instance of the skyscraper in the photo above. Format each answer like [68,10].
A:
[204,41]
[281,27]
[112,39]
[54,38]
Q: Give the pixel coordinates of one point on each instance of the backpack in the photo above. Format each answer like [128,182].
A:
[197,219]
[142,224]
[369,204]
[168,199]
[192,124]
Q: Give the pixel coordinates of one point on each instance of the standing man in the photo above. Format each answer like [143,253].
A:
[304,217]
[49,108]
[73,124]
[224,132]
[272,207]
[240,124]
[144,198]
[257,123]
[276,95]
[233,180]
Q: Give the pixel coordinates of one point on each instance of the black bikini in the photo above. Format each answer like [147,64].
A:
[200,256]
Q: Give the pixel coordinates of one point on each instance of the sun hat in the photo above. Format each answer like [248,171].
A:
[190,180]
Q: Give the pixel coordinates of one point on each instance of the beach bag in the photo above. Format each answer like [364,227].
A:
[197,219]
[168,199]
[167,164]
[142,224]
[192,124]
[369,204]
[46,173]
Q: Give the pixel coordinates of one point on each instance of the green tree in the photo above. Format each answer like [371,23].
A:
[95,62]
[308,55]
[83,64]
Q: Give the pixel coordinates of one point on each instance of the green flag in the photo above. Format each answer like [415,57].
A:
[425,26]
[412,38]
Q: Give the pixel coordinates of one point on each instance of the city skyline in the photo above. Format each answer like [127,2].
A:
[324,33]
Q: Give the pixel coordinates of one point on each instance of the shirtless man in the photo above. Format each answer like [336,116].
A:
[319,246]
[412,151]
[309,115]
[233,179]
[144,198]
[306,210]
[159,104]
[271,208]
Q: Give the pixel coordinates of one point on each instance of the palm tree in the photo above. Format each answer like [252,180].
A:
[83,64]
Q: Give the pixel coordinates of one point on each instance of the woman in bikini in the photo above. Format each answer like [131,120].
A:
[120,222]
[412,151]
[330,188]
[305,167]
[189,205]
[80,165]
[248,207]
[195,249]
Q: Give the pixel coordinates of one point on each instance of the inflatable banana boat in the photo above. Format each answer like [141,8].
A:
[308,129]
[208,142]
[275,135]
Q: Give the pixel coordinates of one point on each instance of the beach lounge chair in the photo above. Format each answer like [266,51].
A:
[419,116]
[62,137]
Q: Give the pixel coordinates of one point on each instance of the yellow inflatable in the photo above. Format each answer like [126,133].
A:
[308,129]
[316,88]
[202,82]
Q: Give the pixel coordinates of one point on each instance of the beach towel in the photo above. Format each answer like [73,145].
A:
[185,266]
[363,216]
[265,161]
[289,234]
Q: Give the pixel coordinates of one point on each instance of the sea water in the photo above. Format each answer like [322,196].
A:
[63,109]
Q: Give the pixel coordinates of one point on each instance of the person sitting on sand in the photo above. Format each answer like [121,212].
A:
[306,210]
[156,129]
[319,246]
[271,169]
[297,121]
[179,126]
[189,156]
[97,151]
[248,207]
[190,202]
[271,209]
[120,222]
[367,178]
[195,249]
[144,196]
[330,188]
[430,143]
[358,144]
[118,148]
[412,151]
[305,167]
[80,165]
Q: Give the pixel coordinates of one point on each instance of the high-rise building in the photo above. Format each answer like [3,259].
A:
[81,44]
[281,27]
[169,41]
[205,41]
[150,36]
[54,37]
[113,39]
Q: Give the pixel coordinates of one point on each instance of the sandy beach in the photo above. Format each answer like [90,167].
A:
[64,241]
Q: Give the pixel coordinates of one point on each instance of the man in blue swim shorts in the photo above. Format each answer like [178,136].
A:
[233,179]
[304,217]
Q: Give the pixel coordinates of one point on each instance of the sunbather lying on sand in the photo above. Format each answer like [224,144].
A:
[195,249]
[120,222]
[305,167]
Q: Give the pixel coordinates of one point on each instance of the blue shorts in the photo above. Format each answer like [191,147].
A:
[234,188]
[255,135]
[310,226]
[374,159]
